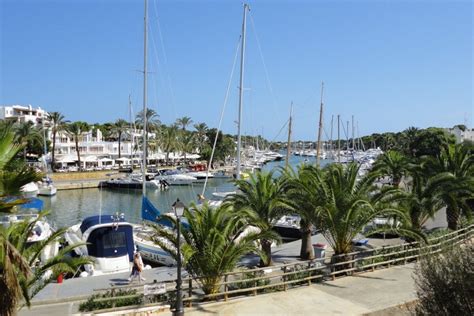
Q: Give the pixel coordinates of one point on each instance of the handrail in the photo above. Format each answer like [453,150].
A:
[284,275]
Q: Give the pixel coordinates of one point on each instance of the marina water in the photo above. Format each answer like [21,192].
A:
[69,207]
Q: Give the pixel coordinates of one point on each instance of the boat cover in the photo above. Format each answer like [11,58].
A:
[100,219]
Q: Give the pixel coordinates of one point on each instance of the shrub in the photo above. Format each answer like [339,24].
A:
[445,282]
[116,301]
[247,282]
[299,272]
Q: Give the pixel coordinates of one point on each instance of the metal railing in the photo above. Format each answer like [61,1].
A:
[282,277]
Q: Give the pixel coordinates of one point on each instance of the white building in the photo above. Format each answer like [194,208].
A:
[461,136]
[21,113]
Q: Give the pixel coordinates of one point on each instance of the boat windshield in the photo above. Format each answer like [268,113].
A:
[111,242]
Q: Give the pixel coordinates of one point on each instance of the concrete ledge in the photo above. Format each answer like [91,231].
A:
[77,185]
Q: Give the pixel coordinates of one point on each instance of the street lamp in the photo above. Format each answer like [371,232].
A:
[178,208]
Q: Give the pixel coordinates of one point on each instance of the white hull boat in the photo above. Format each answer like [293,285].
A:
[47,189]
[150,251]
[30,190]
[109,241]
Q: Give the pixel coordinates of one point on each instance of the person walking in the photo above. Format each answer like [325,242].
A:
[137,268]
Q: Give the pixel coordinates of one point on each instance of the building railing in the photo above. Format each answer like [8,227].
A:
[284,276]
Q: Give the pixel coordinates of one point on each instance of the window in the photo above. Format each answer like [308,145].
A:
[114,239]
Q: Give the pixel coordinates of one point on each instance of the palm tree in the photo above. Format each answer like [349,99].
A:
[75,130]
[58,124]
[459,163]
[184,122]
[17,280]
[421,200]
[26,133]
[169,139]
[13,173]
[392,163]
[410,135]
[214,241]
[264,197]
[201,130]
[187,144]
[348,205]
[152,120]
[302,189]
[152,123]
[118,128]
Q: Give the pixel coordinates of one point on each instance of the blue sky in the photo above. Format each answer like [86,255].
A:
[391,64]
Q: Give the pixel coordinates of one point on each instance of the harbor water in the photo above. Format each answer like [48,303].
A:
[69,207]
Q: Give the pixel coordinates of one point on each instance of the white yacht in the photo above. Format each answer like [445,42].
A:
[174,177]
[150,251]
[46,187]
[30,190]
[109,241]
[41,231]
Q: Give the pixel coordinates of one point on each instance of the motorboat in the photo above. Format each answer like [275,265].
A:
[134,181]
[41,231]
[222,195]
[29,190]
[144,237]
[46,187]
[174,177]
[288,227]
[109,242]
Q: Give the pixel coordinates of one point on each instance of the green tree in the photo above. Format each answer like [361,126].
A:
[152,120]
[119,127]
[201,130]
[187,143]
[215,240]
[225,146]
[458,162]
[76,130]
[183,122]
[14,173]
[17,280]
[264,197]
[421,199]
[349,205]
[152,123]
[169,139]
[392,163]
[58,123]
[444,282]
[302,189]
[430,141]
[27,134]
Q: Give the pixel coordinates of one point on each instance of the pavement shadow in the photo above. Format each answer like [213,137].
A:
[372,277]
[332,285]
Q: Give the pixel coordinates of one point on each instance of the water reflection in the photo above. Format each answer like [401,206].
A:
[69,207]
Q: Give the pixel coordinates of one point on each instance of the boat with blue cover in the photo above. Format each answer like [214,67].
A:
[109,242]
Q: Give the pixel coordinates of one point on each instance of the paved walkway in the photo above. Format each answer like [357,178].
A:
[362,294]
[357,295]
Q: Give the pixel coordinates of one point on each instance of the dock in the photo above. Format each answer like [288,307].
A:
[77,184]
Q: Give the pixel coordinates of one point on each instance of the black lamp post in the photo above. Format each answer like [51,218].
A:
[178,208]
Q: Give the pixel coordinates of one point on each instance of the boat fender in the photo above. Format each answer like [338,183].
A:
[84,274]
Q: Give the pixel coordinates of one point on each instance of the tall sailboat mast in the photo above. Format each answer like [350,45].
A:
[353,136]
[288,146]
[330,136]
[241,90]
[318,149]
[132,130]
[145,48]
[338,139]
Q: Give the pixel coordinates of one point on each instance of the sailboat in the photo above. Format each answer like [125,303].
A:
[46,187]
[144,235]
